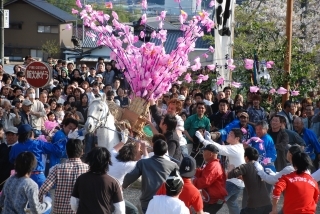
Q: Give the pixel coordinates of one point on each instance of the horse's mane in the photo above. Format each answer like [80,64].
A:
[95,100]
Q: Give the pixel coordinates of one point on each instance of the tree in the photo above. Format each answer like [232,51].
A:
[124,16]
[260,29]
[51,47]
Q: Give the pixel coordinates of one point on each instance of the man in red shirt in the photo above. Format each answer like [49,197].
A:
[211,179]
[190,195]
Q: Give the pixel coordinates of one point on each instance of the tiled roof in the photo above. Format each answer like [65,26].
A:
[88,42]
[171,42]
[48,8]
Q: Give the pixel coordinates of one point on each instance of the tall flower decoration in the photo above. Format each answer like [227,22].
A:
[148,68]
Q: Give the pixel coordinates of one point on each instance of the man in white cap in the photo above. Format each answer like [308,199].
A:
[169,203]
[5,165]
[25,112]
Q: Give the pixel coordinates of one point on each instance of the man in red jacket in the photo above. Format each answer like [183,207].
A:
[211,179]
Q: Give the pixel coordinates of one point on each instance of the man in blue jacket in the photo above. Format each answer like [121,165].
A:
[68,125]
[312,144]
[38,148]
[247,130]
[267,150]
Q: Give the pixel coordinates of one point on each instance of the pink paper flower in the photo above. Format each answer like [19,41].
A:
[205,55]
[272,91]
[282,90]
[211,67]
[142,34]
[144,4]
[199,80]
[295,93]
[143,19]
[231,66]
[163,15]
[211,49]
[212,3]
[74,11]
[188,78]
[244,131]
[220,81]
[248,64]
[266,161]
[269,64]
[236,84]
[109,5]
[254,89]
[68,27]
[150,71]
[78,3]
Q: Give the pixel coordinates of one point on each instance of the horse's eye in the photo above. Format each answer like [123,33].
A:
[100,109]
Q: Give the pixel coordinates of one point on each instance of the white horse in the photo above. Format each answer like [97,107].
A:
[99,119]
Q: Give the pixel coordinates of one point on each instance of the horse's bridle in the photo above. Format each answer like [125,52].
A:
[99,122]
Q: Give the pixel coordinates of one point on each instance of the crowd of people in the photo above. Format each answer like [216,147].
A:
[207,148]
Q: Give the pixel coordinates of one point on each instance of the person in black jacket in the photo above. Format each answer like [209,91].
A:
[168,128]
[5,165]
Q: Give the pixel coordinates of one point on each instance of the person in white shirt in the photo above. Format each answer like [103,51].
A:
[170,203]
[235,155]
[37,111]
[124,157]
[272,177]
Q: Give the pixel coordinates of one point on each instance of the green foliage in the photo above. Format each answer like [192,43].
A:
[67,5]
[256,36]
[51,47]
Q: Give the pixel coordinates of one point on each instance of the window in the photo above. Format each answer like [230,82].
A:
[17,26]
[36,53]
[48,29]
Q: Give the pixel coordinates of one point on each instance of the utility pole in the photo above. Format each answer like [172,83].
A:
[287,60]
[2,33]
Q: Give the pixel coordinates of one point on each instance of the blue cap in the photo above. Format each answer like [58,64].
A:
[25,128]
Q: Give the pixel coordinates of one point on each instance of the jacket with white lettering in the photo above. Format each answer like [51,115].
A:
[301,194]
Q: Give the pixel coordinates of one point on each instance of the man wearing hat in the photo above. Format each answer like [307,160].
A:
[247,129]
[211,180]
[190,195]
[5,165]
[169,203]
[234,152]
[38,148]
[25,112]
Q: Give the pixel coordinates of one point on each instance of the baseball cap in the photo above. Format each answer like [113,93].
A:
[24,129]
[99,75]
[187,166]
[244,114]
[181,97]
[211,148]
[12,129]
[174,182]
[27,103]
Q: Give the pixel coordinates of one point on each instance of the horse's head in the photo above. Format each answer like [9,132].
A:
[97,115]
